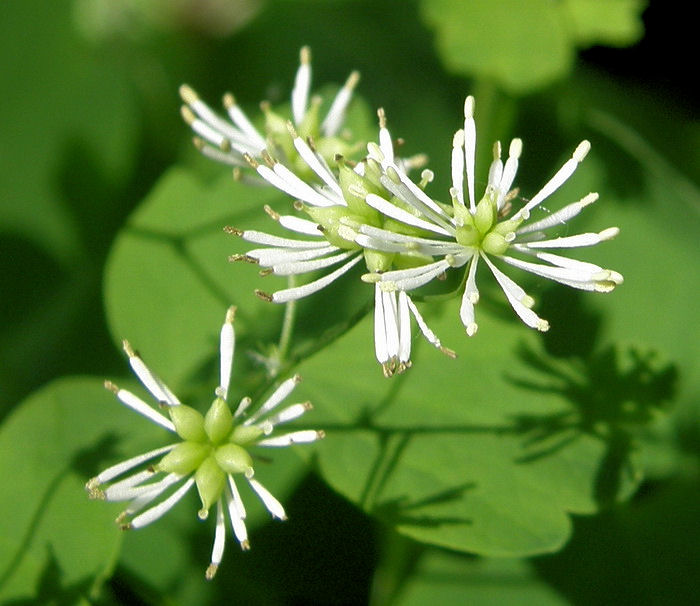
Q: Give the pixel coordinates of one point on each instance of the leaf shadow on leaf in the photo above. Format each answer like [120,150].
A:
[397,511]
[84,463]
[613,392]
[50,588]
[179,245]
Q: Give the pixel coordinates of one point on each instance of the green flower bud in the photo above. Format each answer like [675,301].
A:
[377,260]
[494,244]
[184,458]
[461,214]
[245,434]
[233,458]
[467,235]
[218,421]
[189,423]
[210,479]
[486,214]
[506,227]
[355,188]
[328,218]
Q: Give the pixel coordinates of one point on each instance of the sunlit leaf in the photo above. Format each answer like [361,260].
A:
[525,45]
[51,532]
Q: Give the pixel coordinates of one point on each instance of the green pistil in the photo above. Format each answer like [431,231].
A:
[212,447]
[482,230]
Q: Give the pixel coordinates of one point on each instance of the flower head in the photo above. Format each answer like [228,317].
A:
[469,231]
[335,207]
[211,451]
[228,141]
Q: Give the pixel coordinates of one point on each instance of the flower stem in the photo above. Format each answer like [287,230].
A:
[290,309]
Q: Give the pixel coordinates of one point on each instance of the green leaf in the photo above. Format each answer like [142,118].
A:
[59,103]
[490,453]
[457,453]
[168,282]
[447,578]
[612,23]
[525,45]
[52,537]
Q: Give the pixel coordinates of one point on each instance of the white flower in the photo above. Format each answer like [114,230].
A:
[228,141]
[212,449]
[470,231]
[336,205]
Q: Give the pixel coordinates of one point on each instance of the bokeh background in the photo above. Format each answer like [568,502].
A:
[91,123]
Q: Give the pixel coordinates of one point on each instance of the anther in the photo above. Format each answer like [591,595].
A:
[274,215]
[187,115]
[188,95]
[263,295]
[229,100]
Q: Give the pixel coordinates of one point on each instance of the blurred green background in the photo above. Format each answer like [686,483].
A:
[90,123]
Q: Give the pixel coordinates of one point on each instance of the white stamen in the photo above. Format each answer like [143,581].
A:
[128,488]
[381,350]
[404,328]
[301,267]
[236,514]
[292,185]
[217,552]
[422,325]
[390,210]
[239,118]
[576,241]
[336,114]
[516,297]
[260,237]
[227,344]
[236,498]
[409,279]
[116,470]
[150,381]
[267,257]
[470,148]
[299,225]
[152,514]
[138,405]
[511,168]
[318,165]
[558,179]
[278,395]
[270,502]
[457,165]
[304,436]
[470,299]
[297,292]
[156,489]
[289,414]
[559,217]
[302,84]
[391,323]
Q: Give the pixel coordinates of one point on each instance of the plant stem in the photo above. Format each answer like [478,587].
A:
[290,309]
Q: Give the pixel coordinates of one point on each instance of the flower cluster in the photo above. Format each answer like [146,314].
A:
[367,212]
[461,234]
[211,451]
[338,202]
[229,141]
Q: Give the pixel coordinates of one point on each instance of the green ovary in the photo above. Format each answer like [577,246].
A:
[482,229]
[212,448]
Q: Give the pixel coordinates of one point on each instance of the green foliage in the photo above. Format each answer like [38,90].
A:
[526,45]
[54,441]
[529,447]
